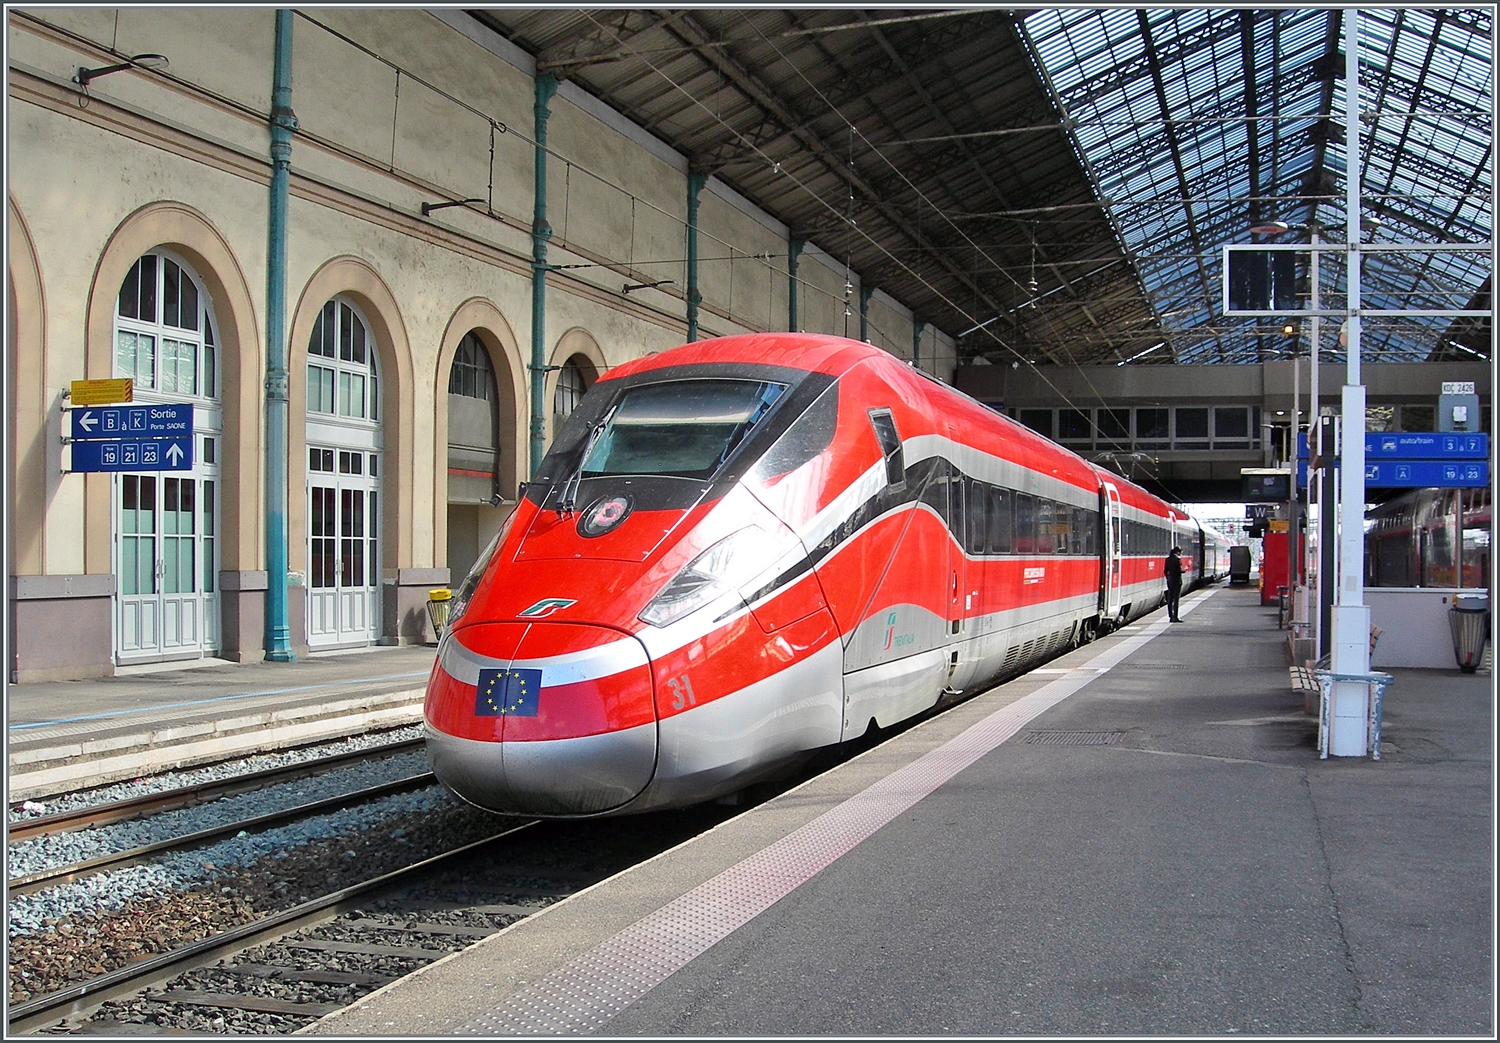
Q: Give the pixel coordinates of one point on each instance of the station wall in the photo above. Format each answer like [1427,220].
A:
[396,108]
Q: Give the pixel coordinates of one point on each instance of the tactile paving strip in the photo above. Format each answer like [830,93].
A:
[583,995]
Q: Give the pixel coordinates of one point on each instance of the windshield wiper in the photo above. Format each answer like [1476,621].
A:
[565,499]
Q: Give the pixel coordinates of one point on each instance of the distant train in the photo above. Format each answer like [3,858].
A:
[748,548]
[1429,538]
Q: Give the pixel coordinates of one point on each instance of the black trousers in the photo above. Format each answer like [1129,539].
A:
[1174,595]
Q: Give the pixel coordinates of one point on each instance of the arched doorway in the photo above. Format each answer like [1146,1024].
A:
[166,524]
[344,450]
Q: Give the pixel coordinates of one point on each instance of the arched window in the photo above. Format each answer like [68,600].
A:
[341,375]
[165,519]
[471,375]
[164,334]
[571,386]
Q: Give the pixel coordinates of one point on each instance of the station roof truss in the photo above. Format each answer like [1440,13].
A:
[1056,185]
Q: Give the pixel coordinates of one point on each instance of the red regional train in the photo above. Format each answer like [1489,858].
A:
[745,549]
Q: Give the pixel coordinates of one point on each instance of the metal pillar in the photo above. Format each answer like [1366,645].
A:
[278,642]
[793,252]
[864,312]
[916,343]
[1351,616]
[541,233]
[695,185]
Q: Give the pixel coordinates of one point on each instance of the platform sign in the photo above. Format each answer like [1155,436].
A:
[130,454]
[101,392]
[1413,445]
[1418,474]
[136,422]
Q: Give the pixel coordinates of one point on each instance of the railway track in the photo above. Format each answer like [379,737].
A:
[55,1010]
[187,796]
[286,970]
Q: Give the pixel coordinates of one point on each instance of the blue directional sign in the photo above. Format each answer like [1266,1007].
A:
[1417,445]
[133,454]
[131,422]
[1418,474]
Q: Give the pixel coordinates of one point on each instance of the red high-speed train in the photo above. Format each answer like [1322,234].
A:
[748,548]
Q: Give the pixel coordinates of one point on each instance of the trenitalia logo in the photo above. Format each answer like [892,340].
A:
[546,607]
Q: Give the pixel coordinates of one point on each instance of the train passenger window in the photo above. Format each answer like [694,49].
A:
[999,520]
[935,492]
[686,428]
[890,446]
[1076,530]
[1045,526]
[1025,537]
[975,509]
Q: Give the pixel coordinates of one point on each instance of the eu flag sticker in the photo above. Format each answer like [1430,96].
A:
[508,693]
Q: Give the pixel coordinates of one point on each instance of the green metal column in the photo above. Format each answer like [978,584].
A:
[916,343]
[283,125]
[694,297]
[865,293]
[541,232]
[793,252]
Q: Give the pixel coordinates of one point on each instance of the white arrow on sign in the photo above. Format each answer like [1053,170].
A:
[87,421]
[174,453]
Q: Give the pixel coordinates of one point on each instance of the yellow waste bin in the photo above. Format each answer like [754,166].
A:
[438,602]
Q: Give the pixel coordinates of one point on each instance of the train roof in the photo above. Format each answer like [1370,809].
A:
[812,352]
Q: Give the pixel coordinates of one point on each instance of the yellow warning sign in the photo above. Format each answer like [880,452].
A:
[101,392]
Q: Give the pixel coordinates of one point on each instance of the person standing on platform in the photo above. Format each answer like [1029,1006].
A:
[1173,570]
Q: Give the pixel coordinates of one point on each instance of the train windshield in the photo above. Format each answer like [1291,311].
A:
[687,428]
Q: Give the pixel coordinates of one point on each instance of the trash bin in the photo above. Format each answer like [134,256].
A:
[438,603]
[1469,621]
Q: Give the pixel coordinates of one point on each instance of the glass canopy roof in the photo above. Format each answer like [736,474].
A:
[1196,124]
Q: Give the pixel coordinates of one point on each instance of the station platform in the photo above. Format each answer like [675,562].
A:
[1137,838]
[64,735]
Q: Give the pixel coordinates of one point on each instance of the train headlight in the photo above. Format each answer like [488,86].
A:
[732,561]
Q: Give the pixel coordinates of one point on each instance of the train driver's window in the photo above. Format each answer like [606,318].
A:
[1025,539]
[998,520]
[890,446]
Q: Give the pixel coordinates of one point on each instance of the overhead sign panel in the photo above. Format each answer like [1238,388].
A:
[101,392]
[1419,445]
[1418,474]
[136,422]
[130,454]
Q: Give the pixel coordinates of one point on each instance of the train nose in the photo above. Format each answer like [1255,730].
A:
[542,718]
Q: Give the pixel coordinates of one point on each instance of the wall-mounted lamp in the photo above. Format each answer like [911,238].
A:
[137,61]
[428,208]
[1289,328]
[644,286]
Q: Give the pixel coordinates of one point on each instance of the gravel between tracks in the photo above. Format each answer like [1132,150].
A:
[54,941]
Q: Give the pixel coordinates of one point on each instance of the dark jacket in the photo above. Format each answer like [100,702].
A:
[1173,570]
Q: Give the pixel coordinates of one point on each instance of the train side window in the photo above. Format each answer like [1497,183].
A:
[975,509]
[1091,532]
[1076,530]
[1025,537]
[999,520]
[890,446]
[1045,526]
[935,492]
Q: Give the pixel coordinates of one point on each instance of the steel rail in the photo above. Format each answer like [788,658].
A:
[66,874]
[82,998]
[168,800]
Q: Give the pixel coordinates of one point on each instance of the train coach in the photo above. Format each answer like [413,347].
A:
[745,549]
